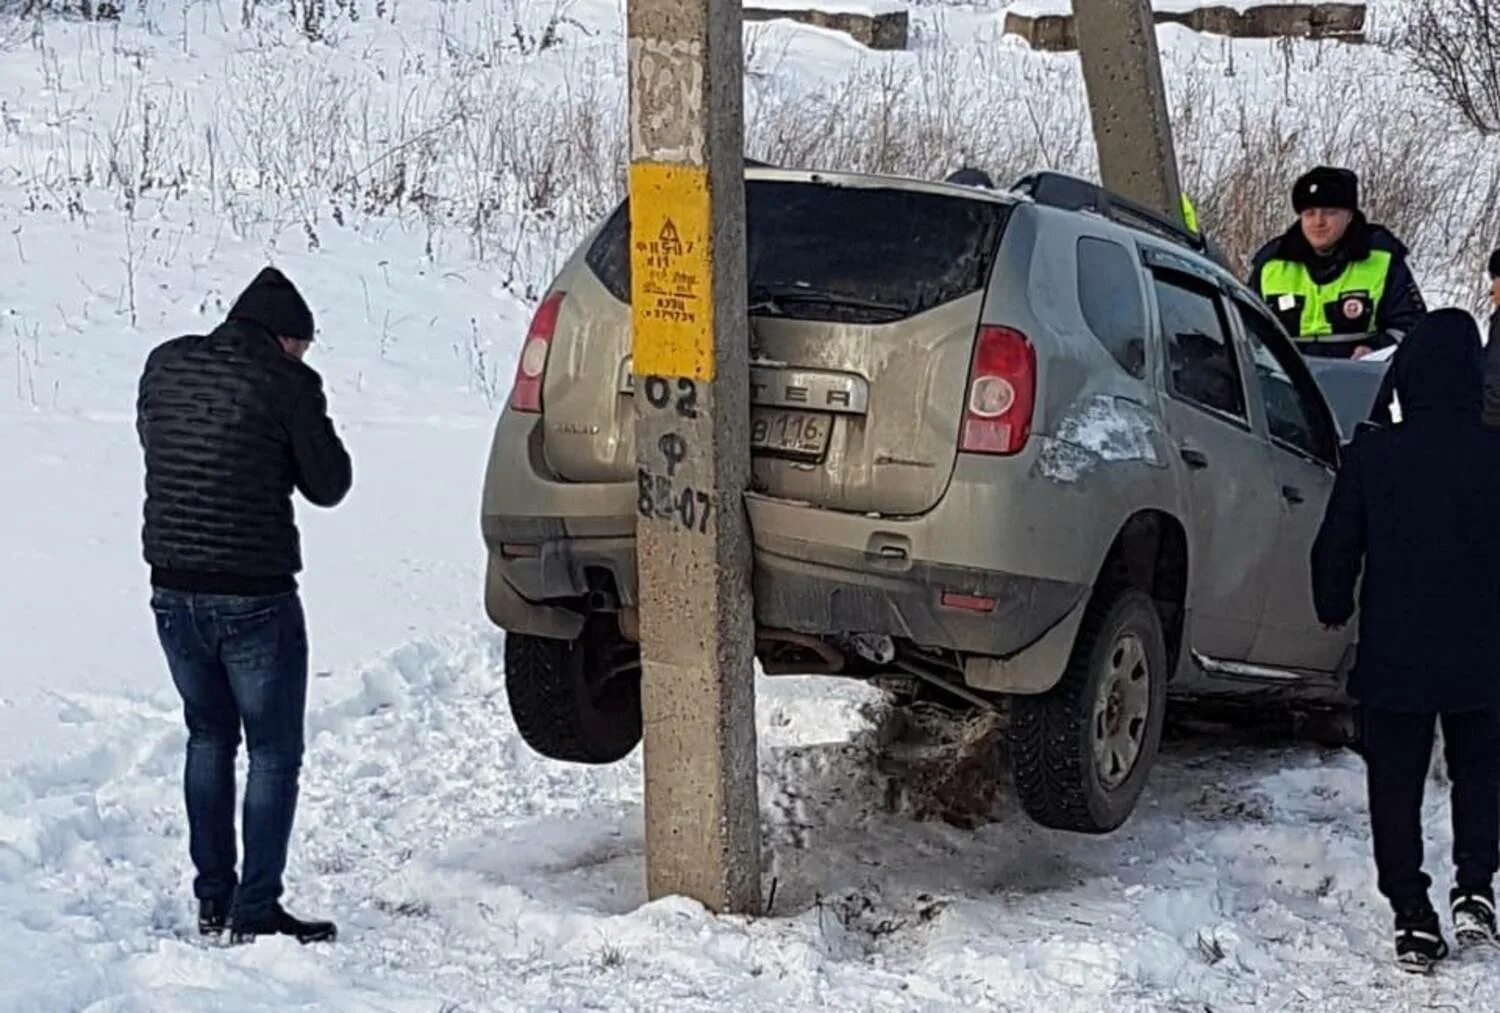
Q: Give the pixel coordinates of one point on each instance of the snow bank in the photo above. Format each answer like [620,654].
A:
[467,873]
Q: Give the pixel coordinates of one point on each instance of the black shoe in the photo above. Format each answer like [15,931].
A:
[213,916]
[1474,918]
[279,923]
[1419,937]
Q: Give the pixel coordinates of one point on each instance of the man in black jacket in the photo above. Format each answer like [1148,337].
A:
[232,423]
[1340,285]
[1413,509]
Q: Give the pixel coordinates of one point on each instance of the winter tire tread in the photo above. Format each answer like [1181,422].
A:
[1051,758]
[545,680]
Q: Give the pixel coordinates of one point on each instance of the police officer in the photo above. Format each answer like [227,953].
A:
[1340,285]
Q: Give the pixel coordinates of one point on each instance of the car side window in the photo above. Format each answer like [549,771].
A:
[1202,367]
[1292,411]
[1109,293]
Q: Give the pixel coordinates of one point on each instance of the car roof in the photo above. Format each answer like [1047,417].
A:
[880,181]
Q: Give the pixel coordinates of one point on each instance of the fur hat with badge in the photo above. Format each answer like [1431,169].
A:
[1326,187]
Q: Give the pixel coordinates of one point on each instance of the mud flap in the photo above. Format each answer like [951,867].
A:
[514,614]
[1035,668]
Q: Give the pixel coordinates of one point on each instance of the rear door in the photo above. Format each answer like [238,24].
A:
[864,300]
[1351,389]
[1304,452]
[1233,510]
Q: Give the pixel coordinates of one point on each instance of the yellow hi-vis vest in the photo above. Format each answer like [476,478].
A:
[1189,215]
[1347,305]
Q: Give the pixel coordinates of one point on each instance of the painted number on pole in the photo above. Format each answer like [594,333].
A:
[671,265]
[663,495]
[660,499]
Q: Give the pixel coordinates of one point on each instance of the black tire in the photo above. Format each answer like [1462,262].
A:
[564,699]
[1052,736]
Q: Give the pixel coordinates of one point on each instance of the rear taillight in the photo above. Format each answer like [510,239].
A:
[531,368]
[1002,392]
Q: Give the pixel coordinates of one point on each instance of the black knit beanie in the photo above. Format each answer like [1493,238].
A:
[274,303]
[1495,264]
[1326,187]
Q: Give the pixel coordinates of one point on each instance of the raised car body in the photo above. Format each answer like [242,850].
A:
[972,411]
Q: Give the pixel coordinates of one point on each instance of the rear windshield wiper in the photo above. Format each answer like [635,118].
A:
[771,299]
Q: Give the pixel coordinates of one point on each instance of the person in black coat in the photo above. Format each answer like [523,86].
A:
[1492,350]
[1412,511]
[231,424]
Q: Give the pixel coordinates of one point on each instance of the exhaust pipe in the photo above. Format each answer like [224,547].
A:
[600,601]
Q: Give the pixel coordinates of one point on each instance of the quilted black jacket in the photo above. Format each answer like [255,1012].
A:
[231,425]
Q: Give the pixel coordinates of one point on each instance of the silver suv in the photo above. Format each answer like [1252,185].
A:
[1037,448]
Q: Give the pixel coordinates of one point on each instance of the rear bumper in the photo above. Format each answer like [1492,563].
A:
[806,593]
[810,595]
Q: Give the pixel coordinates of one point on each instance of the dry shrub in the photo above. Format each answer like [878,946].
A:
[88,10]
[1455,46]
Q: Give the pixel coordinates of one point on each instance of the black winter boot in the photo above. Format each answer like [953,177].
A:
[1419,937]
[279,923]
[1474,918]
[213,916]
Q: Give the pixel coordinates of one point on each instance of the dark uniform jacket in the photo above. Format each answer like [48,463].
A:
[1401,306]
[1412,512]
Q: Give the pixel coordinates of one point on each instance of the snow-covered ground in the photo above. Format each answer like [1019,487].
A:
[147,169]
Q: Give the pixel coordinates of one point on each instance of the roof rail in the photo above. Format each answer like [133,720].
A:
[1073,193]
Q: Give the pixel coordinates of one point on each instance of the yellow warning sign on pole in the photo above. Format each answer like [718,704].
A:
[671,267]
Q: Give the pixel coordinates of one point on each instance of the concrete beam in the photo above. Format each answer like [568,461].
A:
[873,26]
[1128,102]
[691,362]
[1056,31]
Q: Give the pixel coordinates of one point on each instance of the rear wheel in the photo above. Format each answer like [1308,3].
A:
[1081,753]
[578,700]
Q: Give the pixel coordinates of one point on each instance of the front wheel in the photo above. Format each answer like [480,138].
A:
[578,700]
[1081,752]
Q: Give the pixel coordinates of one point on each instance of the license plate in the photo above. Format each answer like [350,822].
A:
[780,433]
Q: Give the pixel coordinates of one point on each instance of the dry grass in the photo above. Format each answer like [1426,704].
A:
[508,135]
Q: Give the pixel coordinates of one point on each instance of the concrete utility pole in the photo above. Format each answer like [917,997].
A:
[692,449]
[1128,102]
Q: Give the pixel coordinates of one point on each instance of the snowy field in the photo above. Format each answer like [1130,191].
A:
[148,168]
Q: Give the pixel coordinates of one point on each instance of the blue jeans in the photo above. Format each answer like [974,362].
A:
[238,662]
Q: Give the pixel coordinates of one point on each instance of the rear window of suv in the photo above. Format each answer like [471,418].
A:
[843,254]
